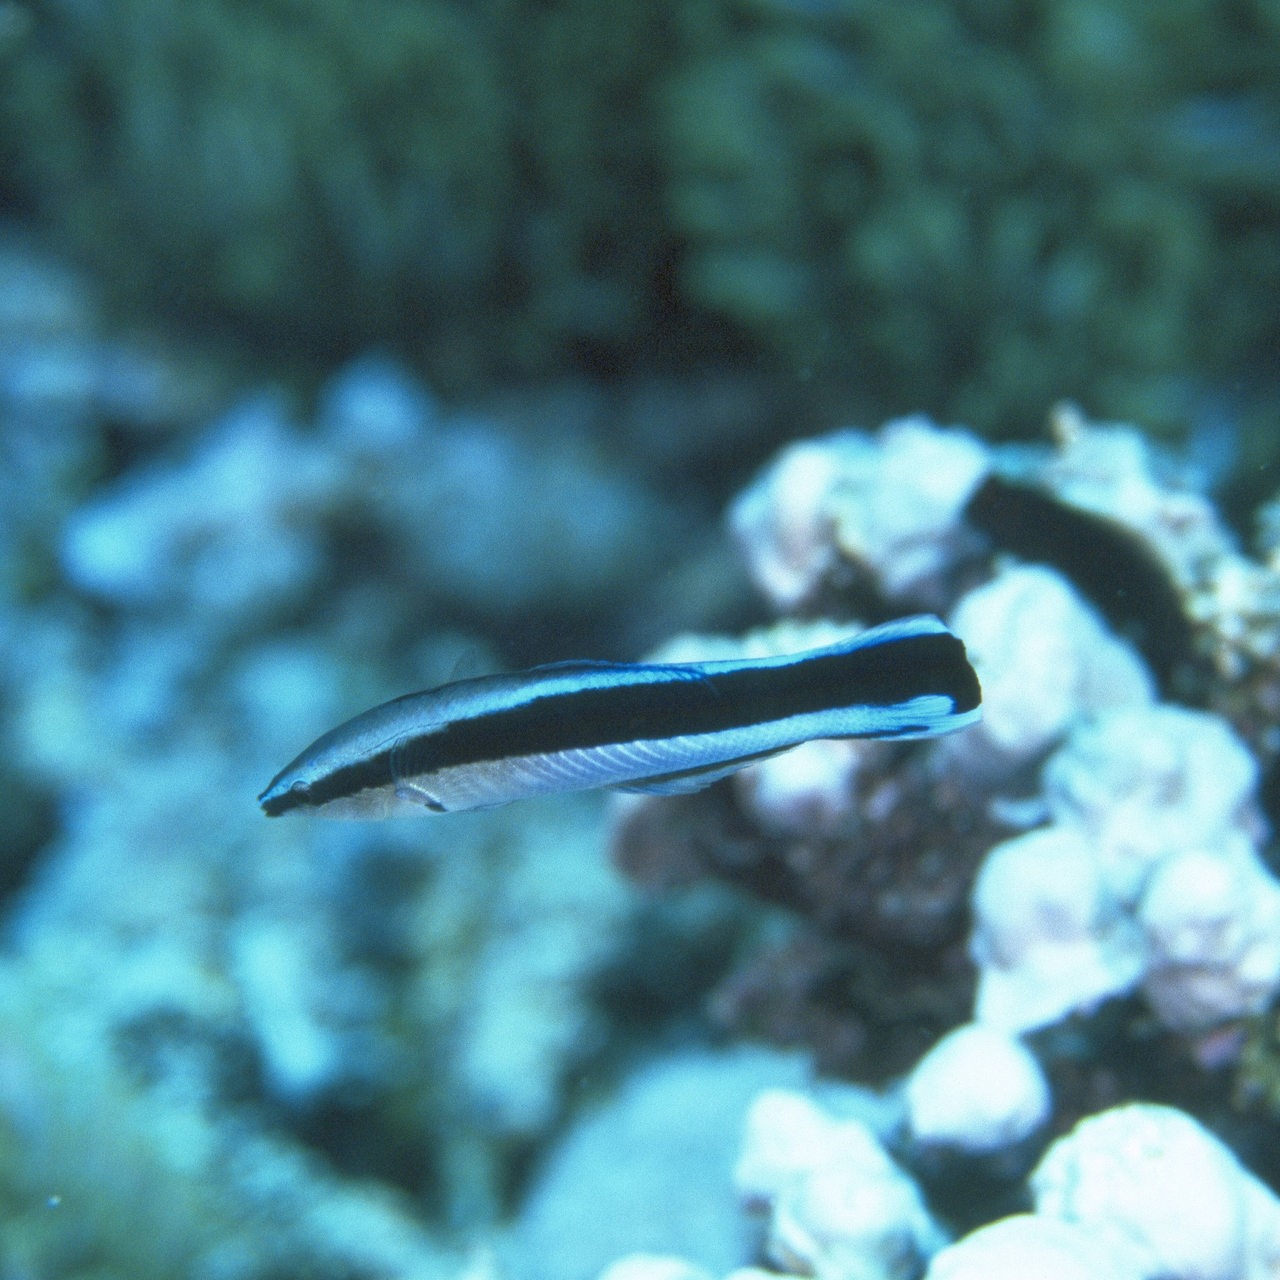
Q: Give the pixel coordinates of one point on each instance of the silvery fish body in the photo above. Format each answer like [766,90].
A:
[651,727]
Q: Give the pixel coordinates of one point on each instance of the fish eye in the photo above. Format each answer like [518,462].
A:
[299,788]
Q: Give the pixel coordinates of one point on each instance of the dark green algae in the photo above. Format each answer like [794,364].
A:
[972,208]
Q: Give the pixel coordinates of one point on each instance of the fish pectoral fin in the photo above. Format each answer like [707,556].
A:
[412,793]
[685,782]
[404,775]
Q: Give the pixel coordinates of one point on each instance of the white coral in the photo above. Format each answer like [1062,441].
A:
[1048,938]
[786,1135]
[1212,923]
[890,503]
[1028,1246]
[1045,660]
[1149,872]
[193,536]
[782,524]
[1151,1179]
[978,1090]
[809,790]
[1147,781]
[653,1266]
[838,1205]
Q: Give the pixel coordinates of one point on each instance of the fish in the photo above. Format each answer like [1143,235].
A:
[656,728]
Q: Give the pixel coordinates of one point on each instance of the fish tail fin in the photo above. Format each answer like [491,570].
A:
[918,676]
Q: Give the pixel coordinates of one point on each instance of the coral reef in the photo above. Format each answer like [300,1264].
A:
[648,1168]
[835,1201]
[1029,1244]
[465,1047]
[245,1050]
[889,508]
[976,1090]
[1048,938]
[170,537]
[1149,867]
[1049,662]
[1149,1180]
[120,1159]
[1138,1192]
[1114,838]
[1143,866]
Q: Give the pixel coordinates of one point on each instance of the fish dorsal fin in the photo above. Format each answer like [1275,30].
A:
[580,664]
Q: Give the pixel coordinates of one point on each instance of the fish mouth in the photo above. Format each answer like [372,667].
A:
[282,794]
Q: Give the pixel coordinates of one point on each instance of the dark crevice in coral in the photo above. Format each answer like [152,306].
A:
[357,1140]
[967,1190]
[1269,797]
[872,968]
[31,821]
[1121,1053]
[676,950]
[864,1012]
[172,1049]
[879,881]
[1108,564]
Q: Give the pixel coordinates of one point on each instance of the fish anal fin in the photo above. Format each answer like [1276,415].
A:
[684,782]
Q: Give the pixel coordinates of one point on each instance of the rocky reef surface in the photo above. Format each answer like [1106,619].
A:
[996,1005]
[1073,901]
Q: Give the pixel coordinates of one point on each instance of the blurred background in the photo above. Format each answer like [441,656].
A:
[969,208]
[345,348]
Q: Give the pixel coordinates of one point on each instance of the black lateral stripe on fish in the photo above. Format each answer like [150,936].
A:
[660,727]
